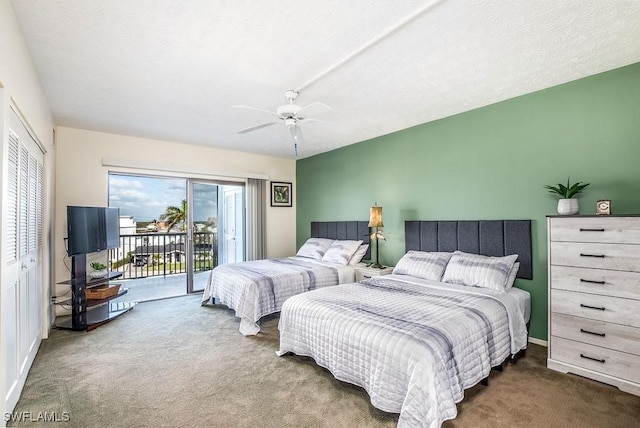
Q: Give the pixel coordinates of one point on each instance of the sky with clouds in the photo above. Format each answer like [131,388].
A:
[146,198]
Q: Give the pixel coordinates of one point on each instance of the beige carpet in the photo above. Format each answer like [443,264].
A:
[173,363]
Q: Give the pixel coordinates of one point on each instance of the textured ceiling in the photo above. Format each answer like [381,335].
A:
[172,69]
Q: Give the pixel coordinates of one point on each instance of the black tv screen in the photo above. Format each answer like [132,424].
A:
[92,229]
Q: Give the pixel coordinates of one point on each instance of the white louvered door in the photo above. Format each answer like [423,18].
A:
[22,291]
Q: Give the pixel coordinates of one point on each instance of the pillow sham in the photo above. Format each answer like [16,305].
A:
[422,264]
[512,275]
[314,248]
[359,254]
[341,251]
[476,270]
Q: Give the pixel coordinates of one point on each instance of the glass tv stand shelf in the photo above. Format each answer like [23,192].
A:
[87,314]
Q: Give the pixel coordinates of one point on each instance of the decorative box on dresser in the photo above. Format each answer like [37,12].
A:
[594,298]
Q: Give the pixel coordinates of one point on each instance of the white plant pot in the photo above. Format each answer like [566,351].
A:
[568,206]
[98,274]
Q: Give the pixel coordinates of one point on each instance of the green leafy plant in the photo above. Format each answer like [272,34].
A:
[568,191]
[98,266]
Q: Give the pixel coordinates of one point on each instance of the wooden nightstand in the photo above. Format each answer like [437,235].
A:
[363,272]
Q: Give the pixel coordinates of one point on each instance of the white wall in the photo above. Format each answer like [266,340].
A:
[82,180]
[20,86]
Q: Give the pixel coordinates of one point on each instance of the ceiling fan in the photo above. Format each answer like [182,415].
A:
[291,114]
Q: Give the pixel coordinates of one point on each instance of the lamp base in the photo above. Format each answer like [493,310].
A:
[377,266]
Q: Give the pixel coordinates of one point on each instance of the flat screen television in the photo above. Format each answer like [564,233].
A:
[92,229]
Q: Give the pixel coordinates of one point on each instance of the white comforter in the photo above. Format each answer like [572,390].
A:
[413,345]
[258,288]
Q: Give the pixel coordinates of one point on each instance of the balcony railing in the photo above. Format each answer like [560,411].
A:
[159,254]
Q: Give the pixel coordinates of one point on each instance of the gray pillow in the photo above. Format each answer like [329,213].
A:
[479,271]
[314,248]
[341,251]
[422,264]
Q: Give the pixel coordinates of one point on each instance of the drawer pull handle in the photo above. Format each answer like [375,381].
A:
[586,357]
[586,229]
[582,330]
[600,308]
[592,255]
[591,282]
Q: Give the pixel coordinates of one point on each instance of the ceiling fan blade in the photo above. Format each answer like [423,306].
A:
[314,120]
[273,113]
[255,128]
[313,109]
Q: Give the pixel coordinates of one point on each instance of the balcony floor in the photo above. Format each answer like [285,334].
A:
[160,287]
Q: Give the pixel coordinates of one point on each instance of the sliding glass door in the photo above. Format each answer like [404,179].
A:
[174,231]
[216,232]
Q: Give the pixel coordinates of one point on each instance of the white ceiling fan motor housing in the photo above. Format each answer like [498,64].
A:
[288,111]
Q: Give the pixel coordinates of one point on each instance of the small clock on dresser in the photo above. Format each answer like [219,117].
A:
[603,207]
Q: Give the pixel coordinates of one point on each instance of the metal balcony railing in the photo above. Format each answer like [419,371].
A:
[144,255]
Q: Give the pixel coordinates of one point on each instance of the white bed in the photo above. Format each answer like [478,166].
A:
[416,339]
[258,288]
[414,345]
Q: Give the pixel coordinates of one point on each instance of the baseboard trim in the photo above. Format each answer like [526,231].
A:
[539,342]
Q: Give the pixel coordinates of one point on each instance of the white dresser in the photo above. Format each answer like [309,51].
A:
[594,298]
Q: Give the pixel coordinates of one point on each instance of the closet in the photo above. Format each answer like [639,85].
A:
[21,302]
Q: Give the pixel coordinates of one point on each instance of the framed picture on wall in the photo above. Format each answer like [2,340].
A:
[281,194]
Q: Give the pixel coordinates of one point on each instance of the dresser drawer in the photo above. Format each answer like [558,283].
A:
[597,281]
[592,306]
[606,361]
[606,335]
[619,230]
[599,256]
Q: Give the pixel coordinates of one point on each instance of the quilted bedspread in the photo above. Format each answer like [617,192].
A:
[414,345]
[258,288]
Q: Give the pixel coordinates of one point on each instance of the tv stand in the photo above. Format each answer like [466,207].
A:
[87,314]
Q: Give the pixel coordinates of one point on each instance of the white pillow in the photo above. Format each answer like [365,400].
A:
[479,271]
[314,248]
[341,251]
[359,254]
[422,264]
[512,275]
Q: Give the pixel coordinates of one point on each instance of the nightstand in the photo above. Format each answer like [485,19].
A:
[363,272]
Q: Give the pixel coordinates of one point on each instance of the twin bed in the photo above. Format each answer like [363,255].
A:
[416,339]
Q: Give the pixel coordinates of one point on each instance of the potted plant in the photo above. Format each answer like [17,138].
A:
[567,205]
[100,270]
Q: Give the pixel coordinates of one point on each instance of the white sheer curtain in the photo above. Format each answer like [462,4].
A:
[256,218]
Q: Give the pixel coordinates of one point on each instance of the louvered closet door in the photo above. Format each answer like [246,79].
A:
[22,292]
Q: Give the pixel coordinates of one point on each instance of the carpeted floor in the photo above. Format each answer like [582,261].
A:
[173,363]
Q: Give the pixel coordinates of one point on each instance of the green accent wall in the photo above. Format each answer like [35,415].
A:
[489,163]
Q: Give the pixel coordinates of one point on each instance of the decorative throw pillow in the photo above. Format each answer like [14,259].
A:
[314,248]
[479,271]
[512,275]
[422,264]
[341,251]
[359,254]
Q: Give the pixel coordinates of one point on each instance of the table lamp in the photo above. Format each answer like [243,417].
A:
[375,220]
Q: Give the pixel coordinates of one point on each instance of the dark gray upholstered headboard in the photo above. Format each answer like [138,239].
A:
[486,237]
[352,230]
